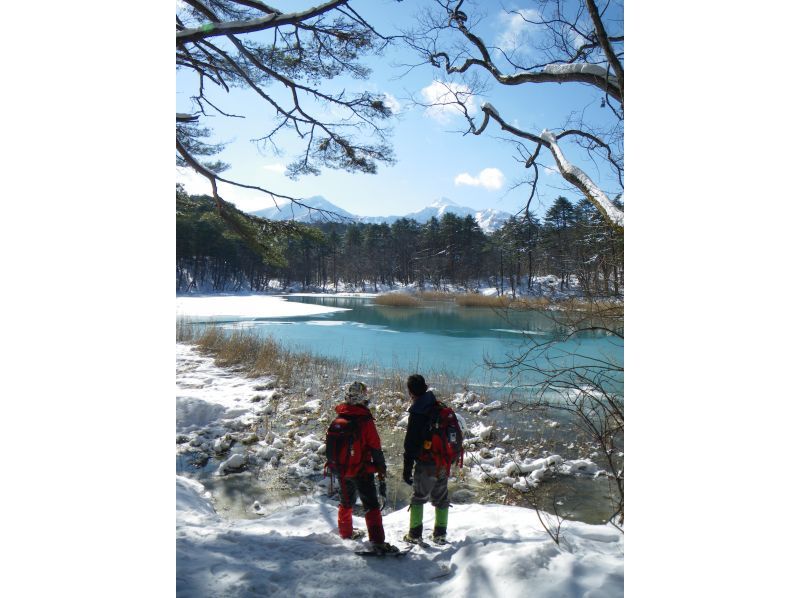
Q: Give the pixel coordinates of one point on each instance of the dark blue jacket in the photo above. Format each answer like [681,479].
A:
[418,429]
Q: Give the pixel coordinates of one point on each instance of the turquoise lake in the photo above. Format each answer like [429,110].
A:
[437,338]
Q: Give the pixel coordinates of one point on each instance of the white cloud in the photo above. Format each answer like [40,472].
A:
[577,39]
[393,103]
[277,168]
[244,199]
[488,178]
[193,182]
[550,170]
[441,98]
[516,34]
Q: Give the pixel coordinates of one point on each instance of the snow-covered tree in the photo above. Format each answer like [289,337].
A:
[567,42]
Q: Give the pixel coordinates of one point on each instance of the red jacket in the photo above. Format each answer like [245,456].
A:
[372,454]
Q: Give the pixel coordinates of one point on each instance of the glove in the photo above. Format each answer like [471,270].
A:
[407,475]
[382,474]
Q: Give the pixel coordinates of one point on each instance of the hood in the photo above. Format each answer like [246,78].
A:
[423,404]
[345,409]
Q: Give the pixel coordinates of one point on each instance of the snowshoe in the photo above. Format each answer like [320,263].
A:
[384,550]
[439,540]
[357,534]
[409,539]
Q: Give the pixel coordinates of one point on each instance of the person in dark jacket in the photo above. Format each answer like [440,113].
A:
[360,477]
[419,469]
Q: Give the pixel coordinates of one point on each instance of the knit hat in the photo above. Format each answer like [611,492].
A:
[356,394]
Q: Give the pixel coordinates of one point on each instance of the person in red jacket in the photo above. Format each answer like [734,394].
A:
[359,476]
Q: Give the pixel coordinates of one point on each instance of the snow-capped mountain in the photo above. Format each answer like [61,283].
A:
[488,219]
[438,209]
[289,211]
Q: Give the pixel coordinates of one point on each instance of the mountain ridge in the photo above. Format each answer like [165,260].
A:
[489,219]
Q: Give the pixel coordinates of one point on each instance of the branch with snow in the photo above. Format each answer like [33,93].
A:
[569,171]
[581,180]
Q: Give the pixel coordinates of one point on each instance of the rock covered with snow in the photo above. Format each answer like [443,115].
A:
[481,430]
[310,442]
[269,452]
[580,467]
[223,443]
[313,406]
[234,463]
[462,398]
[493,406]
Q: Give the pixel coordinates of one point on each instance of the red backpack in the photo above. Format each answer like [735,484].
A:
[447,439]
[344,446]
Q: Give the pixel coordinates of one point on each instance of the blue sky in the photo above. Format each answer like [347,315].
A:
[434,158]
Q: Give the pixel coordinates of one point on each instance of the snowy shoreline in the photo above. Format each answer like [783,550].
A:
[546,286]
[232,424]
[255,432]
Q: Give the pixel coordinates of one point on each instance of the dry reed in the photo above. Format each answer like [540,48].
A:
[532,303]
[436,296]
[475,300]
[397,300]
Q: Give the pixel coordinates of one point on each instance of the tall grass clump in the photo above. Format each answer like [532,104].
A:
[397,300]
[532,303]
[597,307]
[238,348]
[436,296]
[475,300]
[256,355]
[185,330]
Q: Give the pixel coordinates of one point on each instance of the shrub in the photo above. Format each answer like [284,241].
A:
[397,300]
[475,300]
[436,296]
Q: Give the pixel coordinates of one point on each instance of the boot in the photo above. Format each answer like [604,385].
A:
[384,548]
[440,527]
[374,526]
[345,521]
[414,535]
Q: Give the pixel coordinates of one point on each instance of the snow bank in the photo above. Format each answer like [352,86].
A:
[206,395]
[341,294]
[192,501]
[247,306]
[494,551]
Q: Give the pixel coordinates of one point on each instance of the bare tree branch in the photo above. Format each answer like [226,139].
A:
[307,47]
[579,50]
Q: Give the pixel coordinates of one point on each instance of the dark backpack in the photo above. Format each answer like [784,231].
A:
[343,445]
[447,439]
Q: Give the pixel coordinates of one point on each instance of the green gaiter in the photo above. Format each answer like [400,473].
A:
[416,516]
[441,517]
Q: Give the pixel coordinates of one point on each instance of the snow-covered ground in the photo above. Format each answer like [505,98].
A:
[247,306]
[494,550]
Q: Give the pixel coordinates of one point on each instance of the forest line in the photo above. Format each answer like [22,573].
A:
[571,241]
